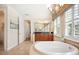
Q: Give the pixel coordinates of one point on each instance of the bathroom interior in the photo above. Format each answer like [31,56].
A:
[39,29]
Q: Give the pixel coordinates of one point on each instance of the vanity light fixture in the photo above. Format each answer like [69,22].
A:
[57,7]
[54,8]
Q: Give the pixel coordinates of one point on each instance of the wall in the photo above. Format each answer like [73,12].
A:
[12,39]
[12,33]
[51,26]
[27,29]
[21,29]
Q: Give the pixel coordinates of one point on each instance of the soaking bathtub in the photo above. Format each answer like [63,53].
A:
[55,48]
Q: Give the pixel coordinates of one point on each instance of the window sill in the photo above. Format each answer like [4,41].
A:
[72,39]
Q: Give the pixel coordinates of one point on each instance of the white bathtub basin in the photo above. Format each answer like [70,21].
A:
[55,48]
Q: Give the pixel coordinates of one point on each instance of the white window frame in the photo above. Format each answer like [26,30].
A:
[73,27]
[55,27]
[71,21]
[57,22]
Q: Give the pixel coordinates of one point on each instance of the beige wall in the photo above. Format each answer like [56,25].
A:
[51,26]
[62,24]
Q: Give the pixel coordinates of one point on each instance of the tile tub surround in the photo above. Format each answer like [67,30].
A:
[37,49]
[76,44]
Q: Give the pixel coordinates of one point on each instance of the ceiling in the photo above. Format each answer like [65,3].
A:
[36,11]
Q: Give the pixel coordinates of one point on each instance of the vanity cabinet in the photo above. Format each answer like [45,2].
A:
[43,36]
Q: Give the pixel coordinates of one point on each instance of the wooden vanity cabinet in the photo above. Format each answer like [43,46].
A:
[39,36]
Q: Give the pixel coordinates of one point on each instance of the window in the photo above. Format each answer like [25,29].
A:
[76,21]
[57,26]
[72,22]
[68,22]
[76,29]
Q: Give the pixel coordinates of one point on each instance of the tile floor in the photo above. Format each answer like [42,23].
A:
[22,49]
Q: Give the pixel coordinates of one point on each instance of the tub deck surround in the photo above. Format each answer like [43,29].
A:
[33,51]
[53,48]
[76,44]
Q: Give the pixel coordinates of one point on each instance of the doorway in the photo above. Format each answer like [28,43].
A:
[27,29]
[1,30]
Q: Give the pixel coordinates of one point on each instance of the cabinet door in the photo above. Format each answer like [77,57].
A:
[43,37]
